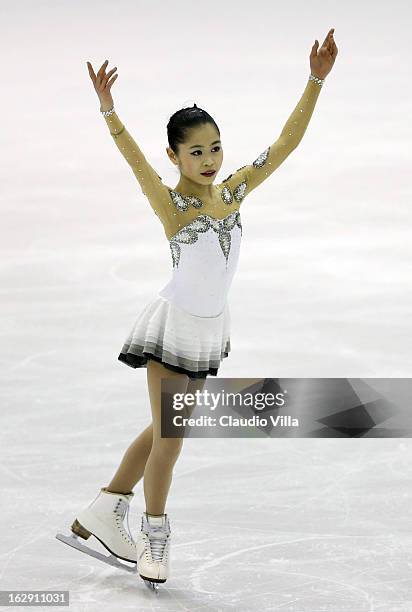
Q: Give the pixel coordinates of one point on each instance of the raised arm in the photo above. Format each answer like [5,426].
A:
[290,137]
[245,179]
[149,181]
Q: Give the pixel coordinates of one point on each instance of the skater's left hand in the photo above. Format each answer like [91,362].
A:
[321,63]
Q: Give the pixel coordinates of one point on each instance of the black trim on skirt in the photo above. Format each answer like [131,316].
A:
[136,361]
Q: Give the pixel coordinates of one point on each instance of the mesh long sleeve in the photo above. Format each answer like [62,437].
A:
[150,182]
[267,162]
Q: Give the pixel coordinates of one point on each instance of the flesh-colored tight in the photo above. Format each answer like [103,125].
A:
[150,456]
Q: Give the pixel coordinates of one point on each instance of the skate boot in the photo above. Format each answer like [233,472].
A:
[152,549]
[103,518]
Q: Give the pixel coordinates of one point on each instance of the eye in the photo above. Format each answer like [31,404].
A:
[199,151]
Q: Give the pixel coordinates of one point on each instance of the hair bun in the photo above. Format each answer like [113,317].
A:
[183,120]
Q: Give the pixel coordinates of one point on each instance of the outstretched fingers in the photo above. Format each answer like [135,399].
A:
[334,51]
[314,50]
[101,80]
[110,83]
[105,78]
[109,74]
[328,38]
[102,68]
[101,73]
[91,72]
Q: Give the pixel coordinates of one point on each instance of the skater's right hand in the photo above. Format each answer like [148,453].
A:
[102,84]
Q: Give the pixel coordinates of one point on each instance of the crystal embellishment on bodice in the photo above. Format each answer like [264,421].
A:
[182,202]
[261,160]
[238,193]
[202,223]
[258,163]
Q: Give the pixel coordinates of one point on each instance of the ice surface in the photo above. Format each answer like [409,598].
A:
[322,290]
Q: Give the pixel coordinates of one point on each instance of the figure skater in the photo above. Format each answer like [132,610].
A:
[184,332]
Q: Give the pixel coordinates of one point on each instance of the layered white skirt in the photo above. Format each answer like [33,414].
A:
[182,342]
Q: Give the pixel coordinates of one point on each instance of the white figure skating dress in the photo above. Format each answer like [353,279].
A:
[187,326]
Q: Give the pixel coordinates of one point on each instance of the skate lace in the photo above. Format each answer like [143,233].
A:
[121,509]
[157,539]
[157,536]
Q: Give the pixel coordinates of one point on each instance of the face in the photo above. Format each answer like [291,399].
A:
[201,152]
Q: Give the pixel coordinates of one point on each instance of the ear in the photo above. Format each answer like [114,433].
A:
[172,156]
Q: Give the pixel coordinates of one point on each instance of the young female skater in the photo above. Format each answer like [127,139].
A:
[185,331]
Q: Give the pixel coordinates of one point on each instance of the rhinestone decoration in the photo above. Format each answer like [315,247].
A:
[202,223]
[108,112]
[239,191]
[182,202]
[316,80]
[261,160]
[225,242]
[227,196]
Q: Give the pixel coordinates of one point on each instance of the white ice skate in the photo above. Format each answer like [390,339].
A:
[103,519]
[152,550]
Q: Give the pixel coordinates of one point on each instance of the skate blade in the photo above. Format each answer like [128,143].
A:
[153,586]
[151,583]
[73,540]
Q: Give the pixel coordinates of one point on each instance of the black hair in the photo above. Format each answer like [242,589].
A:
[181,122]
